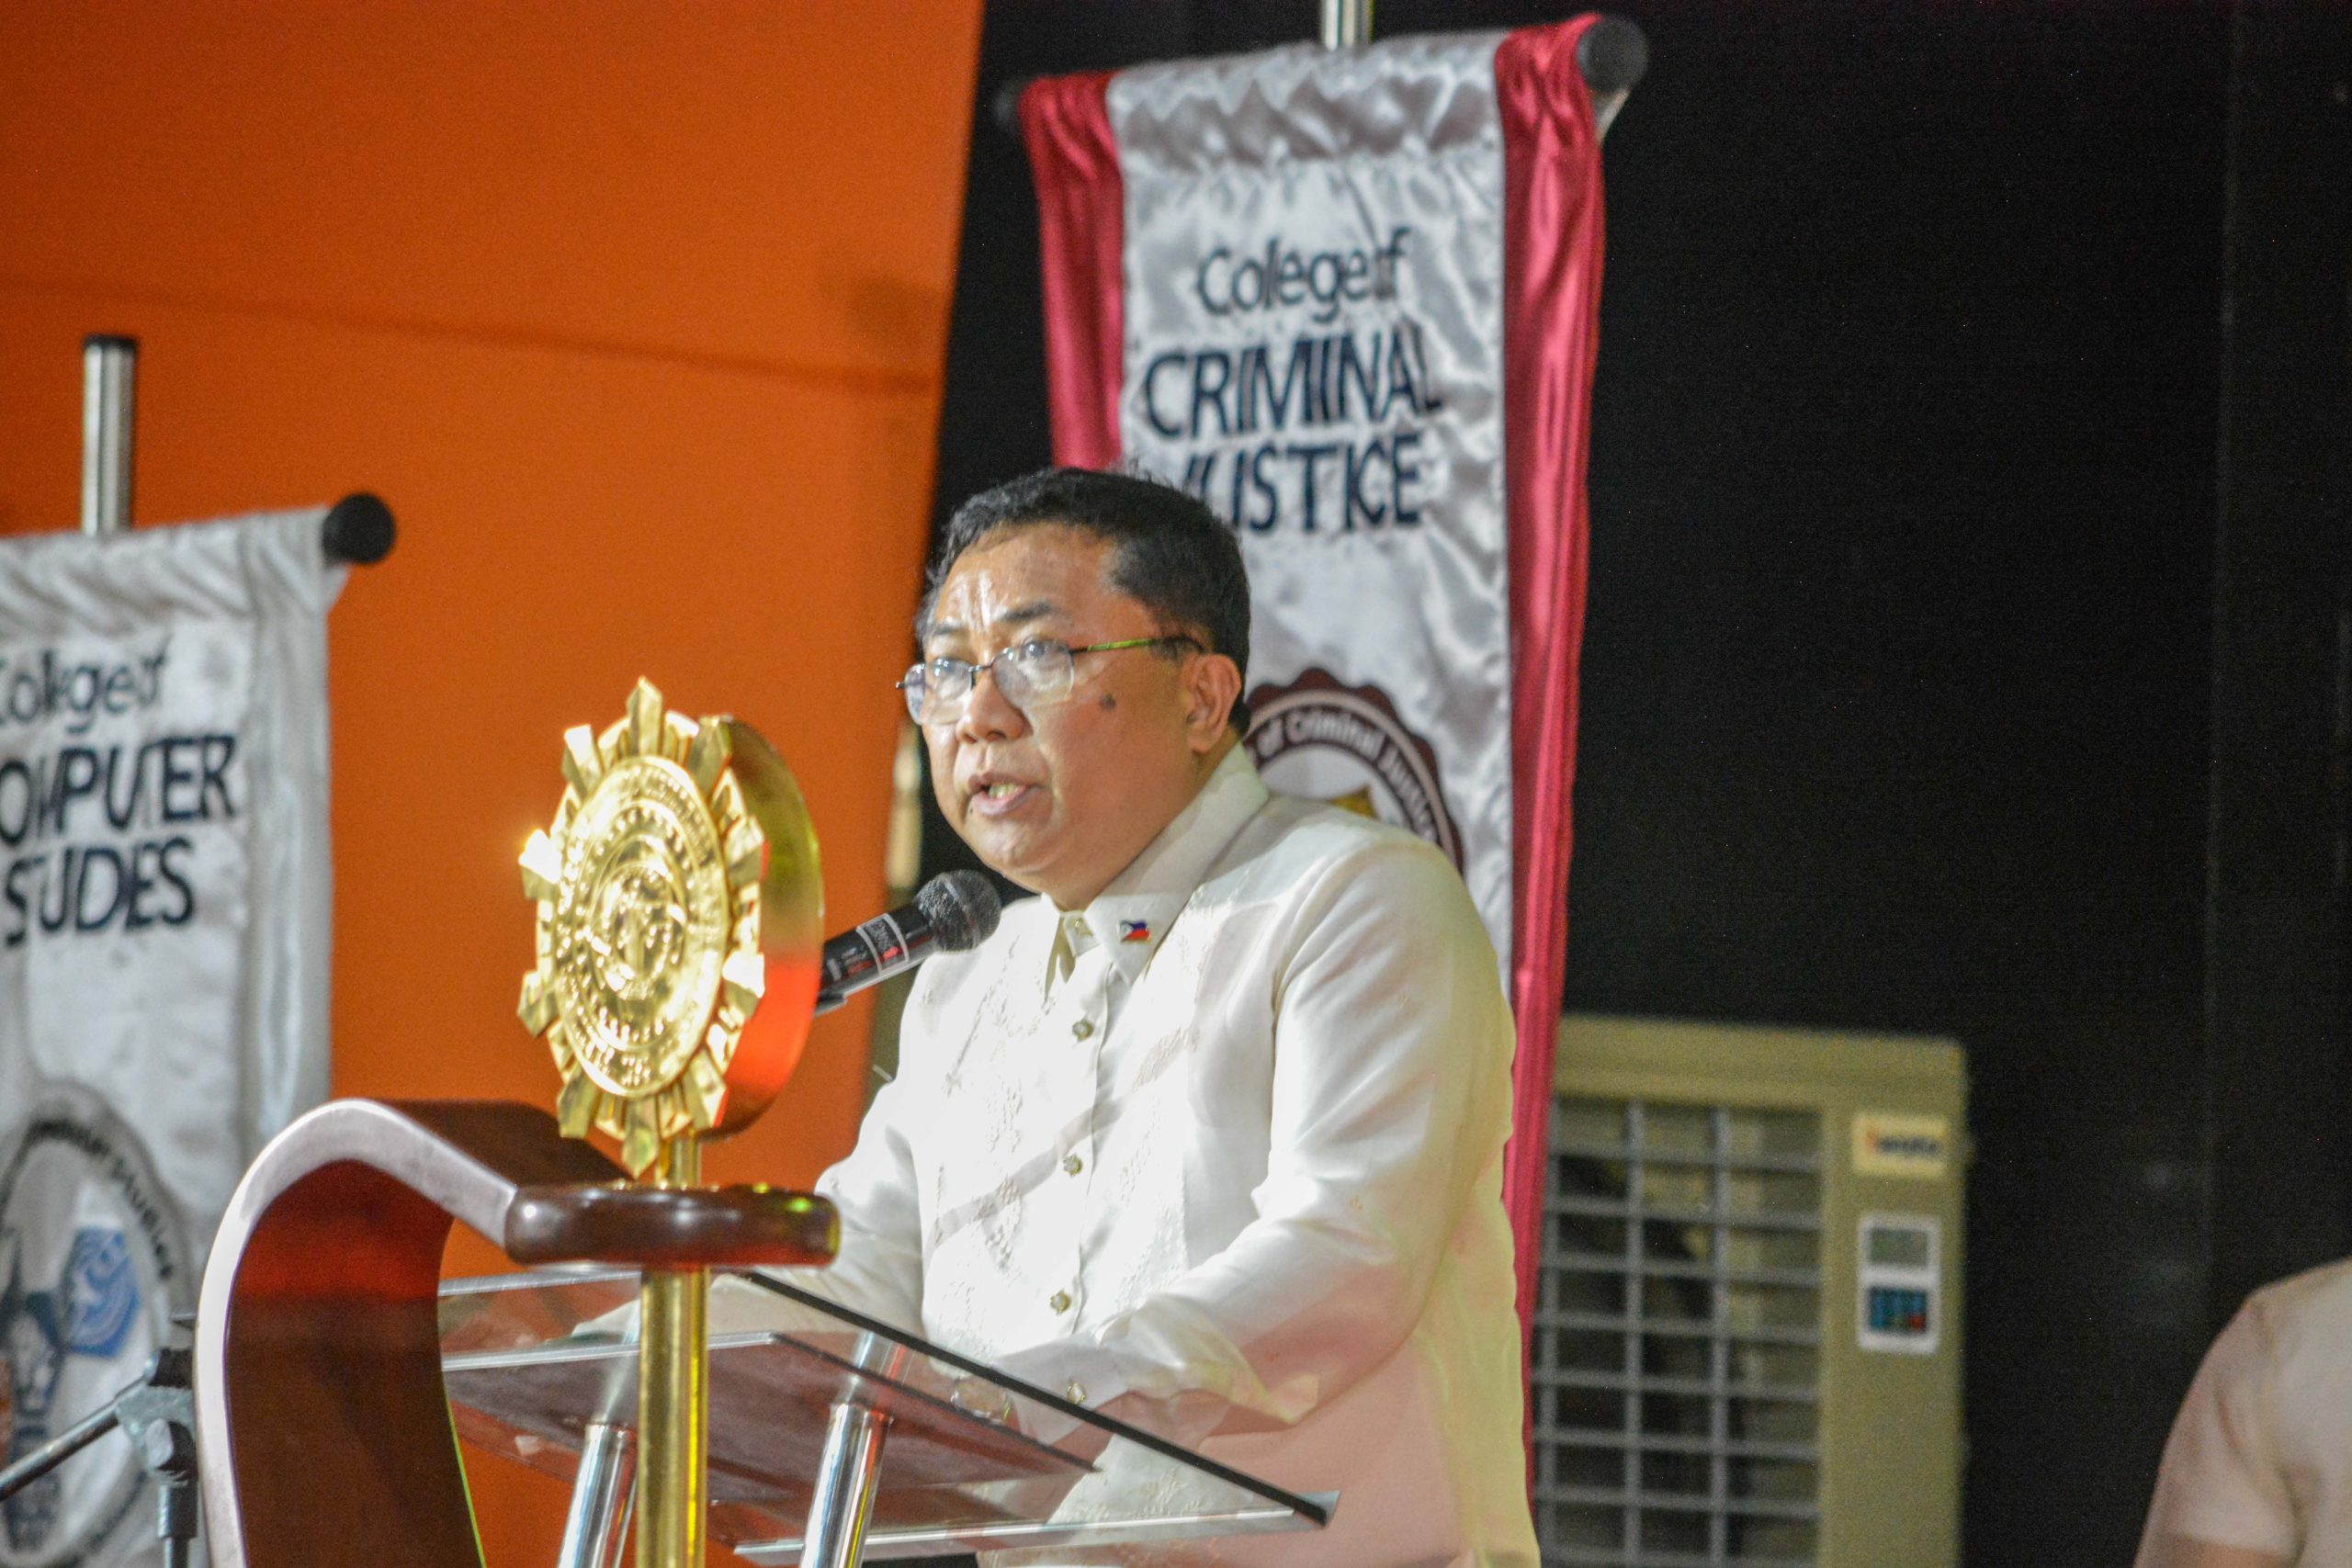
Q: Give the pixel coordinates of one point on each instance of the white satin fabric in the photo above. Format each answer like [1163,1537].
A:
[1221,1153]
[204,1035]
[1233,170]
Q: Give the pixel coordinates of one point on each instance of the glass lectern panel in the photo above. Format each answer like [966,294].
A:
[972,1459]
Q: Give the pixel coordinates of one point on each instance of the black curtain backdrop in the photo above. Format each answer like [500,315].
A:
[1969,629]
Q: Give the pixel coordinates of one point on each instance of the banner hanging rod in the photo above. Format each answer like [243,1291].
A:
[1347,24]
[1611,56]
[108,368]
[357,530]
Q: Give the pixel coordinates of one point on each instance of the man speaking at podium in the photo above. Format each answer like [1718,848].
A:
[1209,1134]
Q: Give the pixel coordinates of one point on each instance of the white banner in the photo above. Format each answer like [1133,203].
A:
[1312,295]
[164,908]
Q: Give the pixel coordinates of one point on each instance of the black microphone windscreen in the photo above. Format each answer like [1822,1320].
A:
[962,908]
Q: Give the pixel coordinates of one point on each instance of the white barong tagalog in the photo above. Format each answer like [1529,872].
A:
[1222,1153]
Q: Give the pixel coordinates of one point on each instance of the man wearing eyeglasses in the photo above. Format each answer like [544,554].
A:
[1208,1134]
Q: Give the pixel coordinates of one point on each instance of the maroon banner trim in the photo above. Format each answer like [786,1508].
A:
[1552,252]
[1081,224]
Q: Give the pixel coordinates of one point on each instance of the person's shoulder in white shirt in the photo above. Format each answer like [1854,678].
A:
[2257,1471]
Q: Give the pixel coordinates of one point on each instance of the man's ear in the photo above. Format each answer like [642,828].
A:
[1212,683]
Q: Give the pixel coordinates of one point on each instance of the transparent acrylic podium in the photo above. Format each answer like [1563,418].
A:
[833,1439]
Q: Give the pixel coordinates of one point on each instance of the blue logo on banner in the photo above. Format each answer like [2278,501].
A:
[101,1293]
[89,1312]
[91,1256]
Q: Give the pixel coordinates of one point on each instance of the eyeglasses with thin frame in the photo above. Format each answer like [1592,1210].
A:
[1030,675]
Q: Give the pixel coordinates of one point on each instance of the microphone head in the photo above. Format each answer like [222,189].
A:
[962,908]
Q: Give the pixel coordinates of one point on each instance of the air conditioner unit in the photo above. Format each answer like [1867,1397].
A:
[1747,1344]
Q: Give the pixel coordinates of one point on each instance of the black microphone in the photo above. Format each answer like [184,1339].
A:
[951,913]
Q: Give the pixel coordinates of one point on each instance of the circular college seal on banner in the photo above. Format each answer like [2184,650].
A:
[1347,745]
[94,1260]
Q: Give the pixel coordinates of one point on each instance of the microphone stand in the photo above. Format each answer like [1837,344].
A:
[158,1414]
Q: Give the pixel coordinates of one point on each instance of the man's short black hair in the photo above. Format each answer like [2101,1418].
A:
[1171,554]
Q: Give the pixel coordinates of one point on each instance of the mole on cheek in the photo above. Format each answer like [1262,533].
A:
[1109,702]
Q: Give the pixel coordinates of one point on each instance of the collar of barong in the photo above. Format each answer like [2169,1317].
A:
[1131,918]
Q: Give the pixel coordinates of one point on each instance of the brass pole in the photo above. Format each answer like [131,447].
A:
[673,1395]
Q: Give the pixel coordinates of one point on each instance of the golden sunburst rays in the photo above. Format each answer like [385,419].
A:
[649,960]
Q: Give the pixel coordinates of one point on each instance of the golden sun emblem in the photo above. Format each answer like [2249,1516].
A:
[651,957]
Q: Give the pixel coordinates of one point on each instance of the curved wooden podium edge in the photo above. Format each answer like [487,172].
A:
[668,1227]
[323,1435]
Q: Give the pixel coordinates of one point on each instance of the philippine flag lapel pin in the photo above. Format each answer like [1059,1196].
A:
[1135,931]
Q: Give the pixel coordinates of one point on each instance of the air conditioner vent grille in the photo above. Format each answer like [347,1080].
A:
[1676,1374]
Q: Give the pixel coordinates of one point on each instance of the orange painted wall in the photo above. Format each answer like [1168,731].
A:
[634,311]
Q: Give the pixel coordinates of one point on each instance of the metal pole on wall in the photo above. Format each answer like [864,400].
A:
[108,366]
[1347,24]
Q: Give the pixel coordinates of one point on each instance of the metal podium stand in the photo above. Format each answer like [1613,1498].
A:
[833,1439]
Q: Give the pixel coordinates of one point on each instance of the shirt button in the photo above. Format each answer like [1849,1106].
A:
[1077,1392]
[1082,1027]
[1072,1165]
[1059,1301]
